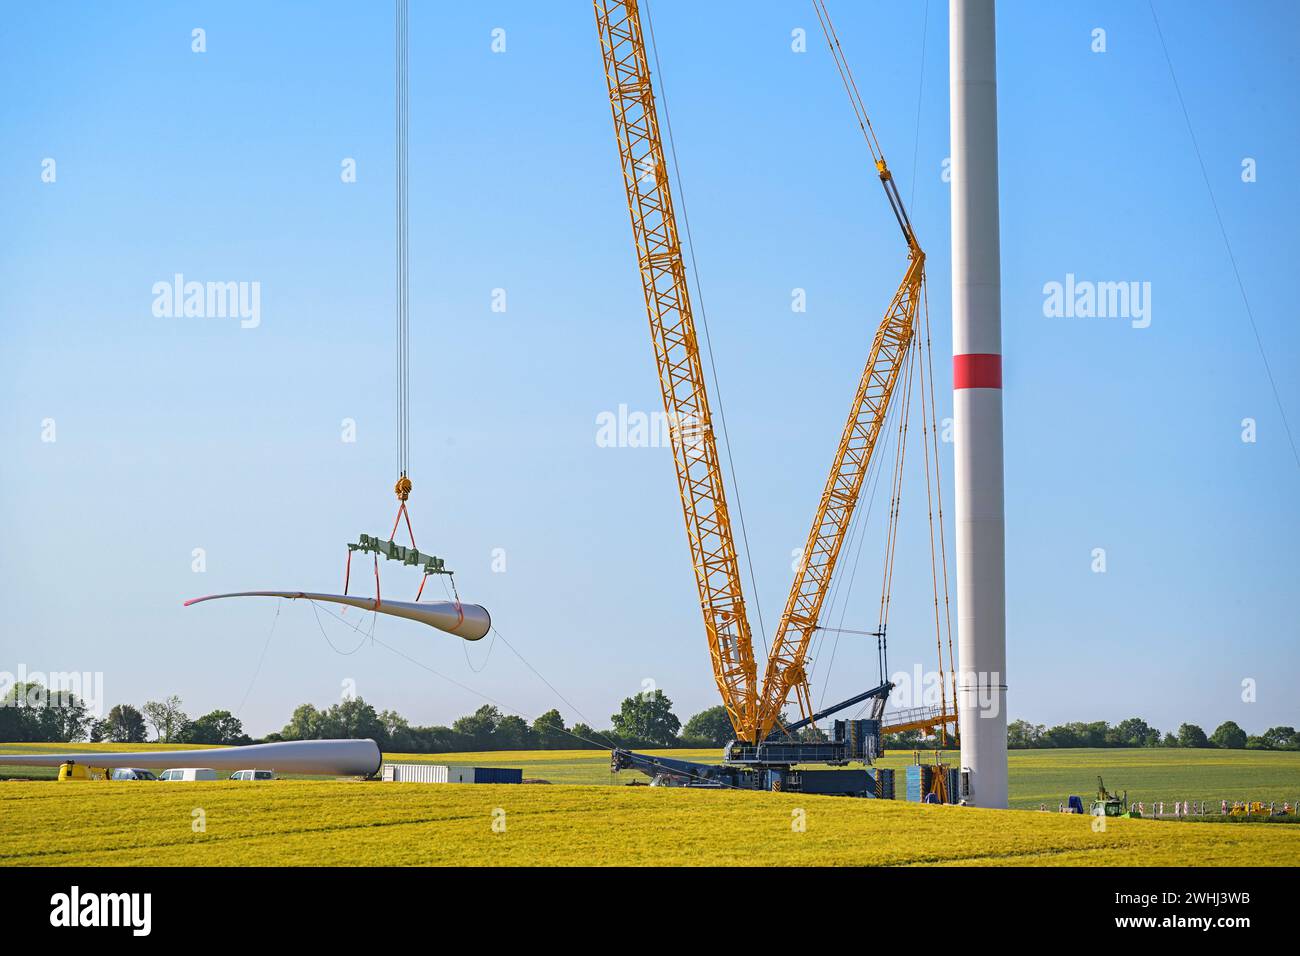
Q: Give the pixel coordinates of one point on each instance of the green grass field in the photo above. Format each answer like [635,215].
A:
[1037,776]
[583,820]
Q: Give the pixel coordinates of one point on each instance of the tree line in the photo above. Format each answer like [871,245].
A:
[1136,732]
[30,713]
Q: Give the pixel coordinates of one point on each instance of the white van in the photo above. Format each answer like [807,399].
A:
[252,775]
[189,773]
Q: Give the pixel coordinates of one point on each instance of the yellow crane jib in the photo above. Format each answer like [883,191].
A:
[786,669]
[677,357]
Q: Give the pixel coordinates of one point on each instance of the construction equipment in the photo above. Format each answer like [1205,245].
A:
[71,770]
[764,752]
[1110,804]
[934,782]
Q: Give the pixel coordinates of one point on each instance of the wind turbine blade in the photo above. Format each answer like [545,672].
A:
[468,621]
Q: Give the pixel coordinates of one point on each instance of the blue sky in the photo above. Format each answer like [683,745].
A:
[181,433]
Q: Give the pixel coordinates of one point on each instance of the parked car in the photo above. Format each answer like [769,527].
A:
[189,773]
[132,773]
[252,775]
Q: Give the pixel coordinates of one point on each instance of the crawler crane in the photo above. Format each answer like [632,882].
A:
[766,751]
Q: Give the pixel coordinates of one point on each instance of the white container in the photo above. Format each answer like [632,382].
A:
[416,773]
[436,773]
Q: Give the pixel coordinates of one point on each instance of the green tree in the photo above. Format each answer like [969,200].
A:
[512,733]
[353,719]
[586,737]
[1282,738]
[397,735]
[647,717]
[304,724]
[32,712]
[125,725]
[710,727]
[477,728]
[1229,736]
[217,727]
[435,740]
[548,731]
[1134,732]
[1021,735]
[903,740]
[1190,735]
[166,716]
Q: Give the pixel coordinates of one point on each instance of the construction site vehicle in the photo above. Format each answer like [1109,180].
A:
[1109,804]
[75,771]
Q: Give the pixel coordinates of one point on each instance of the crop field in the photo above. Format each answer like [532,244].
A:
[295,822]
[578,822]
[1037,776]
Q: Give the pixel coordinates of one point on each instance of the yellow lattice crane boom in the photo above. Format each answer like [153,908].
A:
[786,669]
[677,355]
[754,709]
[786,663]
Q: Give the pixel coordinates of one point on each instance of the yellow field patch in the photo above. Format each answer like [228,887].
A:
[294,822]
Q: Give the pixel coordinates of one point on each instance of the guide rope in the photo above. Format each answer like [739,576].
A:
[607,745]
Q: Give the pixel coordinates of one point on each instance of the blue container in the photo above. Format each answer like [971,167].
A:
[498,775]
[916,782]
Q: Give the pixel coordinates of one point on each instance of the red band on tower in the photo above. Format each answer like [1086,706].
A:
[977,370]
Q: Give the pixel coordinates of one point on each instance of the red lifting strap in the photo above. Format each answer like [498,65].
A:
[402,513]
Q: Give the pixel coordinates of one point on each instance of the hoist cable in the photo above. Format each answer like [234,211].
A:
[920,88]
[403,235]
[938,491]
[926,423]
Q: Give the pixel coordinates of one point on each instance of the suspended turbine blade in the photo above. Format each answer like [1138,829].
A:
[468,621]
